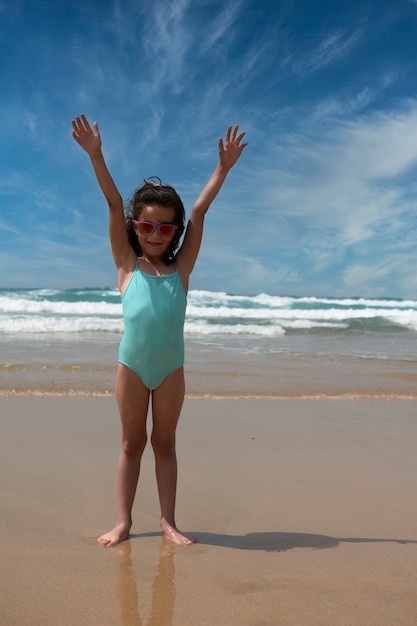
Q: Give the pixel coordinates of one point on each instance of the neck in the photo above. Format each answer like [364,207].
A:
[156,263]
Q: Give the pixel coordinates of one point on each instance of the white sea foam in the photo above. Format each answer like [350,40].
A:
[208,313]
[204,328]
[27,306]
[50,325]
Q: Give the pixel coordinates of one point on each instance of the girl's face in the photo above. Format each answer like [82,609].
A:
[155,243]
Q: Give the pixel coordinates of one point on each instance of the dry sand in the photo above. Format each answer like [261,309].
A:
[305,512]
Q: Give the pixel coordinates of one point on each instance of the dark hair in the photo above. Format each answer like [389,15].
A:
[153,193]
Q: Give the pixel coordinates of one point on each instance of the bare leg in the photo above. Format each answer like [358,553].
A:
[133,399]
[167,402]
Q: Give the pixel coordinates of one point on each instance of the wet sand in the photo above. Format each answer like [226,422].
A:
[304,512]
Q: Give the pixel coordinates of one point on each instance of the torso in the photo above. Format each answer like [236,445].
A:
[154,313]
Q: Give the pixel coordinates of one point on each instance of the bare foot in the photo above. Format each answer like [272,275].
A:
[174,535]
[115,536]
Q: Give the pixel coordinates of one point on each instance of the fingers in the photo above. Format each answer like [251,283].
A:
[80,124]
[232,135]
[85,122]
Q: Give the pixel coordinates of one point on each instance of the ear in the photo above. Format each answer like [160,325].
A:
[134,227]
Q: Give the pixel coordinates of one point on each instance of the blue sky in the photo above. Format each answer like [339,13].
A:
[323,200]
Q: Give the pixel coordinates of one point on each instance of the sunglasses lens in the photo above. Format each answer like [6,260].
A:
[145,228]
[167,230]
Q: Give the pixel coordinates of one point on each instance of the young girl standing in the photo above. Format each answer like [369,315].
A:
[153,282]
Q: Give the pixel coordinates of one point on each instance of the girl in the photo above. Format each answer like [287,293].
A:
[153,283]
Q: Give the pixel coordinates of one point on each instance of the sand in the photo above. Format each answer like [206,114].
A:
[305,512]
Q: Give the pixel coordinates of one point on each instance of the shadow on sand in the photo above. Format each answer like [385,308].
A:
[276,541]
[280,541]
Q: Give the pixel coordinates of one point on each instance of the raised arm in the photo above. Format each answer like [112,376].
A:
[90,140]
[229,152]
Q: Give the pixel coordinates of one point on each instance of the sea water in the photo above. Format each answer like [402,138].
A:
[66,341]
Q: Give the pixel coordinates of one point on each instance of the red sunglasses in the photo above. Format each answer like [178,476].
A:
[147,228]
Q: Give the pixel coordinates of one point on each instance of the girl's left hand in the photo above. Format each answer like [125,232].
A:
[231,149]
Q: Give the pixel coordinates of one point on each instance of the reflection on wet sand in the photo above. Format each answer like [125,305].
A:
[163,591]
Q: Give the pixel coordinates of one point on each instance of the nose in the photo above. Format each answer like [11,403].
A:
[155,234]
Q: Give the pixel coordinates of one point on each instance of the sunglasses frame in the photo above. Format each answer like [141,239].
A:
[157,227]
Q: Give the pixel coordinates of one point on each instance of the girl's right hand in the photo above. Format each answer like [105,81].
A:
[88,138]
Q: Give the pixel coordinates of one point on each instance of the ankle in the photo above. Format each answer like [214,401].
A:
[123,524]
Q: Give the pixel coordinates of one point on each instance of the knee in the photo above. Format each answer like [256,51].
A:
[162,445]
[134,446]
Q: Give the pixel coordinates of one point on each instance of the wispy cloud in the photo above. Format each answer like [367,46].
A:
[221,29]
[333,47]
[167,45]
[354,103]
[316,54]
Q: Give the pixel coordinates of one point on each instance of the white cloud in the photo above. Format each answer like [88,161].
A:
[333,47]
[312,56]
[336,107]
[222,27]
[30,123]
[358,276]
[347,177]
[166,42]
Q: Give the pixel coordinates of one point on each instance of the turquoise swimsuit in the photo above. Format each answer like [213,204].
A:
[154,313]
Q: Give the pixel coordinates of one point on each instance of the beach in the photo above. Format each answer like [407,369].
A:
[297,466]
[304,512]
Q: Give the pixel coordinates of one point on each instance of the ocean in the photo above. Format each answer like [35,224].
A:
[66,342]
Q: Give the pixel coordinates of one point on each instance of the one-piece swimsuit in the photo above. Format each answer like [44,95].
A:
[152,344]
